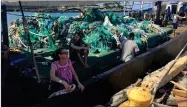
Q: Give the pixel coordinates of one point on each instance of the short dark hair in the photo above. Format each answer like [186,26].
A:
[131,36]
[77,33]
[80,34]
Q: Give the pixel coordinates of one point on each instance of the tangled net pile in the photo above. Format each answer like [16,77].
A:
[53,32]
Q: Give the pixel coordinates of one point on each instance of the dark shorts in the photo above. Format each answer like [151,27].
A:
[73,54]
[175,25]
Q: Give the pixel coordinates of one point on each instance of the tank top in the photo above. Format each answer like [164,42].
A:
[63,71]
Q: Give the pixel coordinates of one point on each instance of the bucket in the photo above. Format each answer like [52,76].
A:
[137,97]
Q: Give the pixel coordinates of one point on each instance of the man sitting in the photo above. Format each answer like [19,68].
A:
[79,49]
[129,48]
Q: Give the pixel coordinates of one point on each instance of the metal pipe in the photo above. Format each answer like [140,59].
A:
[141,6]
[4,41]
[158,4]
[4,25]
[26,29]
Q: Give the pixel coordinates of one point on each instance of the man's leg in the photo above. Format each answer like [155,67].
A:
[86,58]
[80,58]
[174,28]
[128,58]
[169,17]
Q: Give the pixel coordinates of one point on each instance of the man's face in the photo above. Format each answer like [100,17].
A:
[76,37]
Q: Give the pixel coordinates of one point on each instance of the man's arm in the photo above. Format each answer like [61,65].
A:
[85,44]
[122,40]
[180,17]
[136,49]
[76,47]
[122,45]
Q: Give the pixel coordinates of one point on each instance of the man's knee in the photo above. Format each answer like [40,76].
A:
[78,54]
[85,51]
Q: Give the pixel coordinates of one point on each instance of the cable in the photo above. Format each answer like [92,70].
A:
[14,14]
[27,16]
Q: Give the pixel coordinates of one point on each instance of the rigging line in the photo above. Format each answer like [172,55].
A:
[14,14]
[27,16]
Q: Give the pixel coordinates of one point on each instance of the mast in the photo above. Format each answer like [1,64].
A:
[141,6]
[4,25]
[4,41]
[26,29]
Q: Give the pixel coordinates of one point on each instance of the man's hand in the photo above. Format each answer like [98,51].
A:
[86,48]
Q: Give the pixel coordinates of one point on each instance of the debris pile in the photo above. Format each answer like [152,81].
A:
[52,32]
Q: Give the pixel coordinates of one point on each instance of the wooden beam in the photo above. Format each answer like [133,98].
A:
[179,86]
[180,93]
[181,101]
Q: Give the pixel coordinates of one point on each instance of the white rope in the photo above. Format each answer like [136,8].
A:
[36,34]
[22,42]
[158,28]
[19,41]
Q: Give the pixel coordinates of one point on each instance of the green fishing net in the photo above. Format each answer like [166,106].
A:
[52,32]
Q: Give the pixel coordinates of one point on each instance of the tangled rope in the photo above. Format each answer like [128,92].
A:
[47,31]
